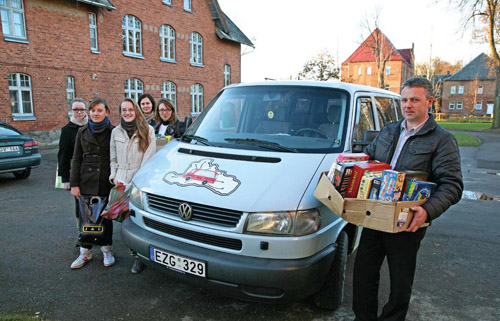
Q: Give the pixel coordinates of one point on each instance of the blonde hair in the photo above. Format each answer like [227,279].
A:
[169,104]
[141,125]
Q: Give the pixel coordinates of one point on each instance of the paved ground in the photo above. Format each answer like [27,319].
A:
[457,277]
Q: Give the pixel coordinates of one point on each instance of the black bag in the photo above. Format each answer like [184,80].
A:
[91,222]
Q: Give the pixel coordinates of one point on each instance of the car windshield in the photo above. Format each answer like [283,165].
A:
[280,118]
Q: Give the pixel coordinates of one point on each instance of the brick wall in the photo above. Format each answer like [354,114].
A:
[394,79]
[469,98]
[59,46]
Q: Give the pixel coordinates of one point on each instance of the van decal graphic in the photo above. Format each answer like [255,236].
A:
[205,173]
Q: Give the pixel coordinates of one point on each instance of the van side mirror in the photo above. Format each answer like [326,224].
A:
[188,121]
[368,136]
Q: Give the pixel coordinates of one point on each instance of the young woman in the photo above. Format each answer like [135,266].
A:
[166,119]
[147,104]
[133,143]
[90,170]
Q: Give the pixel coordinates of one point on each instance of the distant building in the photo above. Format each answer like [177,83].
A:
[471,90]
[55,50]
[361,67]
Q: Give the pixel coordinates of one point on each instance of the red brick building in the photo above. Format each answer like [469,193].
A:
[55,50]
[362,68]
[471,90]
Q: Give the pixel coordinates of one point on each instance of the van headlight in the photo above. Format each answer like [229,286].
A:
[136,197]
[296,223]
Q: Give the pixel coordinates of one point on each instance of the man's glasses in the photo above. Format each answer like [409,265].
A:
[164,110]
[78,111]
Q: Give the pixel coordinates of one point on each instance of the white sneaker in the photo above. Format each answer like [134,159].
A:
[108,257]
[85,256]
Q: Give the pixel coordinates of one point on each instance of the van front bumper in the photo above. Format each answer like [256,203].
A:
[243,277]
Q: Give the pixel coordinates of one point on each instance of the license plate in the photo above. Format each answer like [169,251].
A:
[7,149]
[177,262]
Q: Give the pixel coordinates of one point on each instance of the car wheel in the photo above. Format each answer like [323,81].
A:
[23,174]
[331,294]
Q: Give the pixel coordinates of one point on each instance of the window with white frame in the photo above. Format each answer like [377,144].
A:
[12,13]
[187,5]
[21,103]
[480,90]
[369,70]
[131,36]
[460,90]
[133,88]
[359,71]
[459,105]
[169,91]
[93,32]
[196,44]
[453,90]
[70,91]
[167,2]
[387,70]
[227,75]
[479,105]
[451,105]
[167,36]
[196,99]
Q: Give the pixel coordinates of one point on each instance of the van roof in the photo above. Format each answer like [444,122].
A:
[341,85]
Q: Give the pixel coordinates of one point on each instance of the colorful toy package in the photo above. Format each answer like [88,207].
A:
[418,190]
[366,184]
[357,173]
[392,186]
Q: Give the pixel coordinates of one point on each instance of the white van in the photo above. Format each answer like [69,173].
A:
[230,206]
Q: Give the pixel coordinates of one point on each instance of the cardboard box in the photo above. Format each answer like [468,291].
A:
[392,217]
[162,141]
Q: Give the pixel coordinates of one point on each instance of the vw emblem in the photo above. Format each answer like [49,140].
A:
[185,211]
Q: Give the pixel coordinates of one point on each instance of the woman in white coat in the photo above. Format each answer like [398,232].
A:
[132,144]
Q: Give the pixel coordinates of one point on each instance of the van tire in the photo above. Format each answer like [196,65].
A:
[331,294]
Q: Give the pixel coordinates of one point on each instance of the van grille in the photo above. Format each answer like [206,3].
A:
[201,213]
[228,243]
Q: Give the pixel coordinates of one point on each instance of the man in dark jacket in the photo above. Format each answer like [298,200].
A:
[414,143]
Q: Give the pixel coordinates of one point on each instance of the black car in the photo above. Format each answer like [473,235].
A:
[18,152]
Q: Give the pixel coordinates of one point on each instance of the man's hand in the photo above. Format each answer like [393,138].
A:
[419,218]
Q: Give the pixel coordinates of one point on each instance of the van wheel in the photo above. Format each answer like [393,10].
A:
[22,174]
[331,294]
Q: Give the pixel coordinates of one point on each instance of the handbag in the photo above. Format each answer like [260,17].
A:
[91,222]
[117,208]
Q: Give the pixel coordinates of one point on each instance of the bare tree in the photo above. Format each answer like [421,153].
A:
[485,15]
[378,43]
[320,67]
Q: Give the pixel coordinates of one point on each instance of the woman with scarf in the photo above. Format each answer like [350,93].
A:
[133,143]
[147,104]
[167,123]
[90,170]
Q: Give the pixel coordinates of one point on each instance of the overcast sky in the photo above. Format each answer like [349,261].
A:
[287,33]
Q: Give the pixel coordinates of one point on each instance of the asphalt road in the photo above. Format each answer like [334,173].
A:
[457,277]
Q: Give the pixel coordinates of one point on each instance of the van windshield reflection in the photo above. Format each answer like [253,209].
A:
[283,118]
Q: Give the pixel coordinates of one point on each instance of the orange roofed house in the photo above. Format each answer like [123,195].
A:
[378,53]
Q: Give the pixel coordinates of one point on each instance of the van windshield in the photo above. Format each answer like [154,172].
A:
[279,118]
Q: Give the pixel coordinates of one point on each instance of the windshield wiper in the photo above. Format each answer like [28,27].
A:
[200,139]
[262,143]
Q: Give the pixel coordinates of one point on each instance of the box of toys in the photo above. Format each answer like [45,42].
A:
[358,170]
[418,190]
[392,186]
[392,217]
[365,185]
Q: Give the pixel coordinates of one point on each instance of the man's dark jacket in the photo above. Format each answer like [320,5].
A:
[433,150]
[90,168]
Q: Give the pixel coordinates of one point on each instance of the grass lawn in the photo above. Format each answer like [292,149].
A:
[465,140]
[19,318]
[465,126]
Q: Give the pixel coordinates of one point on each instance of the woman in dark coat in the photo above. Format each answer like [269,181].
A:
[147,104]
[167,122]
[90,172]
